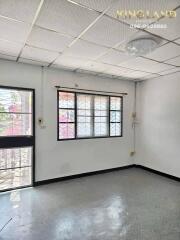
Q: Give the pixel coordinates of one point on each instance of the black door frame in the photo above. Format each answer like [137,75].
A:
[23,141]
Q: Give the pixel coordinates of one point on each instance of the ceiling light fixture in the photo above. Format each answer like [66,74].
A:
[142,46]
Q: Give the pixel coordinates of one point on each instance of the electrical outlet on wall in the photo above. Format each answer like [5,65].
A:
[134,115]
[132,153]
[41,123]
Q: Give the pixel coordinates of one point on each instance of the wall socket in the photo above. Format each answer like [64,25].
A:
[132,153]
[40,121]
[134,115]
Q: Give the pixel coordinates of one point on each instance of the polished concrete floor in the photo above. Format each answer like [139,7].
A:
[130,204]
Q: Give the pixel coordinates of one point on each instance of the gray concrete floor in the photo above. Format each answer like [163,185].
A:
[130,204]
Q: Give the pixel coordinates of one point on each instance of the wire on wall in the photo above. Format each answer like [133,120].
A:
[41,118]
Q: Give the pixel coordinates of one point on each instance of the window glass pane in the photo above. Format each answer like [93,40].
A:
[15,167]
[101,116]
[15,112]
[100,129]
[115,129]
[12,178]
[15,124]
[100,113]
[100,119]
[66,131]
[115,116]
[15,101]
[66,115]
[115,103]
[101,126]
[84,101]
[15,157]
[66,100]
[100,103]
[84,130]
[84,119]
[86,113]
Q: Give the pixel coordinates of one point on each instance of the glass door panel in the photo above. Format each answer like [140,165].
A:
[15,167]
[16,138]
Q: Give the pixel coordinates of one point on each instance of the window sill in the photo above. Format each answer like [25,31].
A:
[84,138]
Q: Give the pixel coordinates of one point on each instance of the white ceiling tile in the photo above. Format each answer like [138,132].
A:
[10,48]
[86,71]
[172,31]
[72,62]
[23,10]
[38,54]
[85,49]
[164,52]
[150,76]
[108,32]
[135,74]
[145,65]
[105,75]
[30,61]
[65,17]
[114,57]
[124,72]
[114,70]
[151,5]
[50,40]
[95,66]
[8,57]
[13,30]
[174,61]
[63,67]
[177,41]
[99,5]
[176,69]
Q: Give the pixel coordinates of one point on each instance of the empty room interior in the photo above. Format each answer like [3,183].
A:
[90,119]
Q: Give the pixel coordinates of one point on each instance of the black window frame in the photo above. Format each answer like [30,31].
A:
[75,121]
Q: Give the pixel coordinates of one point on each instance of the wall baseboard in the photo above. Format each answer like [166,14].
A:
[53,180]
[158,172]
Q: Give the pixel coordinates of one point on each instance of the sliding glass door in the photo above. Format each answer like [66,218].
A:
[17,137]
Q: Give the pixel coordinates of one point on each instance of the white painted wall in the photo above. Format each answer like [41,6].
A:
[56,159]
[158,131]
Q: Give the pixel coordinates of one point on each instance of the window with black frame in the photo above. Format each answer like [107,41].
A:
[84,115]
[66,113]
[115,116]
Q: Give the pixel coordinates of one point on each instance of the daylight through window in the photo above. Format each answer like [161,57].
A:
[82,115]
